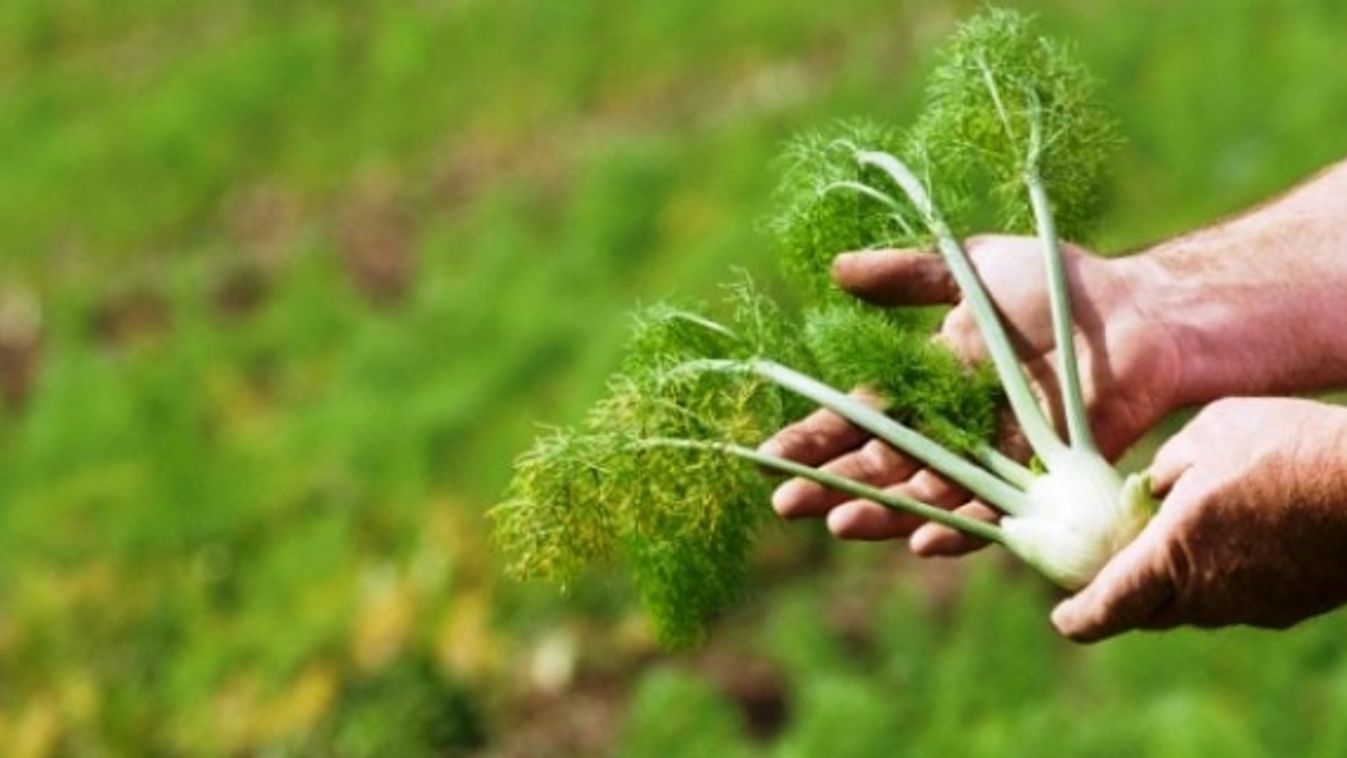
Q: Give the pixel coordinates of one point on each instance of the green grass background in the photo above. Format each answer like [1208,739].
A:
[285,286]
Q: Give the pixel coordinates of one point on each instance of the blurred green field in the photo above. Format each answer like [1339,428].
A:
[285,286]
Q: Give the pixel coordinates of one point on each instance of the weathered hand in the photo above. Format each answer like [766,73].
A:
[1253,529]
[1130,371]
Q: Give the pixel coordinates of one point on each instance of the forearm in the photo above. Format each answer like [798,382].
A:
[1257,305]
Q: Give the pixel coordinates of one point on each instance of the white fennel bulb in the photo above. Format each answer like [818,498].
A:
[1077,517]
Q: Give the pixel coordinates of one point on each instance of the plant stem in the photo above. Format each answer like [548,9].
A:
[984,485]
[1006,468]
[1059,295]
[990,80]
[863,189]
[1023,404]
[703,322]
[893,501]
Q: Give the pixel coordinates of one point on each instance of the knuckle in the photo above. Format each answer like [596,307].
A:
[930,488]
[796,441]
[1194,519]
[920,486]
[874,461]
[959,321]
[868,396]
[960,333]
[1220,411]
[992,254]
[978,245]
[1179,566]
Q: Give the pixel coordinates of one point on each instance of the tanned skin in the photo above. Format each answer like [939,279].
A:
[1253,527]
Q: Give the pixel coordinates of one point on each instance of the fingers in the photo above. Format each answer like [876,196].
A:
[875,463]
[929,539]
[1125,595]
[959,332]
[1171,460]
[820,436]
[933,540]
[864,520]
[896,277]
[1181,451]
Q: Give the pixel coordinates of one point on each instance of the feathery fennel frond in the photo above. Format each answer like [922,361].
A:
[666,334]
[828,203]
[923,383]
[679,518]
[993,82]
[555,521]
[688,513]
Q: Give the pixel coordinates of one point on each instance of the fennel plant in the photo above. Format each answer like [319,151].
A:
[663,473]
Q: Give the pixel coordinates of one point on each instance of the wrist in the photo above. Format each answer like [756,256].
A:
[1172,354]
[1238,325]
[1189,330]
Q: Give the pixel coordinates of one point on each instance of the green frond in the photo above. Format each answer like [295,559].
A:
[679,519]
[685,516]
[666,334]
[821,212]
[555,520]
[925,384]
[996,78]
[686,580]
[769,332]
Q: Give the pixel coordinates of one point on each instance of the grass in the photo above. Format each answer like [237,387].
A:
[240,502]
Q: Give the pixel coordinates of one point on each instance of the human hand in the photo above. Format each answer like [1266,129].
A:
[1253,529]
[1130,374]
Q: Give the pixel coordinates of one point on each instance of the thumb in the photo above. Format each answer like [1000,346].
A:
[896,277]
[1127,592]
[1173,458]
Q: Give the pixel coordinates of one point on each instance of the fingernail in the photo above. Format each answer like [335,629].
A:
[837,524]
[1064,618]
[783,501]
[841,261]
[920,542]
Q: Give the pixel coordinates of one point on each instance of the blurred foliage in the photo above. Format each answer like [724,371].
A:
[285,286]
[878,666]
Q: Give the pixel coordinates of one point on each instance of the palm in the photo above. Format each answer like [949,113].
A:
[1127,369]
